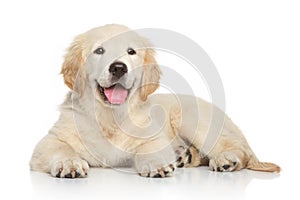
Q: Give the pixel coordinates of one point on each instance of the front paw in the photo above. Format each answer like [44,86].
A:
[159,173]
[154,166]
[70,168]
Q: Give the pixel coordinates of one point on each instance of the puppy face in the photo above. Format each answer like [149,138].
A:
[115,62]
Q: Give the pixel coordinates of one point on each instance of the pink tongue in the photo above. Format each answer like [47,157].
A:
[116,94]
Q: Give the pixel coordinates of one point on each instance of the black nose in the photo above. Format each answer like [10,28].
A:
[118,69]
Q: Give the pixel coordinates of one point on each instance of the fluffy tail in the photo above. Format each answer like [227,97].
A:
[254,164]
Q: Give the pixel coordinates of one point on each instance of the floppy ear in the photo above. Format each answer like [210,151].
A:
[151,75]
[72,68]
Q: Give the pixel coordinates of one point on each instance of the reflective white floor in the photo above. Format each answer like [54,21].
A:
[113,184]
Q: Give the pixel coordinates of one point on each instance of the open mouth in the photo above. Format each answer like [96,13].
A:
[115,94]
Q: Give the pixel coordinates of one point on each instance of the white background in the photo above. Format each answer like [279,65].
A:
[255,46]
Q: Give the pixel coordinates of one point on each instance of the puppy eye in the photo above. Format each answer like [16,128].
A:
[131,51]
[99,51]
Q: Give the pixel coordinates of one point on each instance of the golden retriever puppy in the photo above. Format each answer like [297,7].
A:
[109,118]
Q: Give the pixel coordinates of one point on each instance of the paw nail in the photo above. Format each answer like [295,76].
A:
[172,167]
[226,167]
[77,174]
[69,175]
[157,176]
[188,152]
[179,159]
[189,159]
[180,165]
[58,174]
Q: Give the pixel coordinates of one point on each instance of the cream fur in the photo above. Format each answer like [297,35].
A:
[89,134]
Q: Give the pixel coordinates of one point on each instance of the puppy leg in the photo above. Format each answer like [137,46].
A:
[233,153]
[57,158]
[155,159]
[229,153]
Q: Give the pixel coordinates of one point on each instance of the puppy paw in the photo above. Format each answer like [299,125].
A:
[183,157]
[159,173]
[224,162]
[158,164]
[70,168]
[189,157]
[155,166]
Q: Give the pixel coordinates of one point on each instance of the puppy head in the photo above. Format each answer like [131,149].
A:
[113,61]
